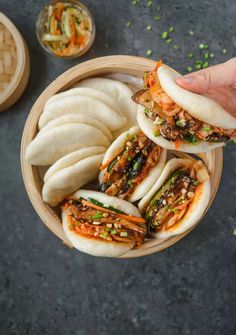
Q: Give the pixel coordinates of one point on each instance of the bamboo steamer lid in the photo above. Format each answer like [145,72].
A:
[14,63]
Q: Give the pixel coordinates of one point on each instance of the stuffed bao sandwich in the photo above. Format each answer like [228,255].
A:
[178,199]
[100,225]
[131,165]
[178,119]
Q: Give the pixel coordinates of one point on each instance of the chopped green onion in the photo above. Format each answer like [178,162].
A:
[224,51]
[201,46]
[206,128]
[157,133]
[128,24]
[98,215]
[123,233]
[164,35]
[129,159]
[149,27]
[191,33]
[190,55]
[130,184]
[136,166]
[159,120]
[135,2]
[104,235]
[234,232]
[179,123]
[212,55]
[169,40]
[156,17]
[198,62]
[149,3]
[205,65]
[146,111]
[198,66]
[189,69]
[175,211]
[113,232]
[175,47]
[206,55]
[171,29]
[149,52]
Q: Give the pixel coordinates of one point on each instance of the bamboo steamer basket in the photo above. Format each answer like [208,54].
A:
[14,63]
[33,183]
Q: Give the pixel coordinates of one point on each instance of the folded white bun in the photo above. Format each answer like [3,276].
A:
[197,206]
[71,178]
[98,247]
[72,158]
[77,118]
[117,146]
[148,128]
[199,106]
[81,105]
[53,144]
[88,92]
[120,92]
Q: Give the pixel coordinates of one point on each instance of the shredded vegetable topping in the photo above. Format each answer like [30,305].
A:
[130,167]
[68,29]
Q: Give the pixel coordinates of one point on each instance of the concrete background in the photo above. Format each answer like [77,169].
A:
[46,288]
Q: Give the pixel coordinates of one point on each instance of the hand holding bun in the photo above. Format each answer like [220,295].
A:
[217,82]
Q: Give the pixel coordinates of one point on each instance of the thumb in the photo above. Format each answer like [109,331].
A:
[220,75]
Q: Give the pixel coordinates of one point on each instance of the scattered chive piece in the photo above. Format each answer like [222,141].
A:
[211,55]
[198,62]
[149,3]
[98,215]
[156,17]
[169,40]
[157,133]
[205,65]
[149,52]
[128,24]
[198,66]
[158,7]
[224,51]
[135,2]
[189,69]
[201,46]
[113,232]
[234,232]
[206,55]
[136,165]
[206,128]
[123,233]
[164,35]
[206,46]
[103,235]
[171,29]
[175,47]
[191,33]
[190,55]
[149,27]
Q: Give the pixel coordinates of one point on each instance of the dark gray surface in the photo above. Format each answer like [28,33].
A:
[46,288]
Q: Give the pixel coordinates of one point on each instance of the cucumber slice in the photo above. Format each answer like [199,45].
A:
[53,38]
[66,24]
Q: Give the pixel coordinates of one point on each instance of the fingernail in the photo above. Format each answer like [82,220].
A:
[186,80]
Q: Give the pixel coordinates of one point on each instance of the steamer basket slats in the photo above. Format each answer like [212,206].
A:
[97,67]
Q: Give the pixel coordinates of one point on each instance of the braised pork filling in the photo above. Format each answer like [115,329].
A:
[172,201]
[131,166]
[93,219]
[171,121]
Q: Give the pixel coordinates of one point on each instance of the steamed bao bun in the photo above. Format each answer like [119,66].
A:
[97,246]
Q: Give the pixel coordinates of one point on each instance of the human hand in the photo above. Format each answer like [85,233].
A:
[217,82]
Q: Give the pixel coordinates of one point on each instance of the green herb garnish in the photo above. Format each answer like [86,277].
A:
[175,47]
[104,235]
[171,29]
[190,55]
[205,65]
[113,232]
[169,40]
[189,69]
[164,35]
[128,24]
[206,128]
[157,133]
[149,27]
[156,17]
[149,52]
[191,33]
[98,215]
[224,51]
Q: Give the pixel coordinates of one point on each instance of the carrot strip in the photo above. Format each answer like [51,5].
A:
[177,144]
[158,64]
[105,165]
[124,216]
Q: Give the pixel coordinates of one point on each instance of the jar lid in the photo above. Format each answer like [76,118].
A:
[14,63]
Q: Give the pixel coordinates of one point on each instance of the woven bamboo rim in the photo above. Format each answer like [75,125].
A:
[14,63]
[33,183]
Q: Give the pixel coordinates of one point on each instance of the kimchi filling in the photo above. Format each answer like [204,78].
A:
[129,168]
[171,202]
[100,224]
[171,121]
